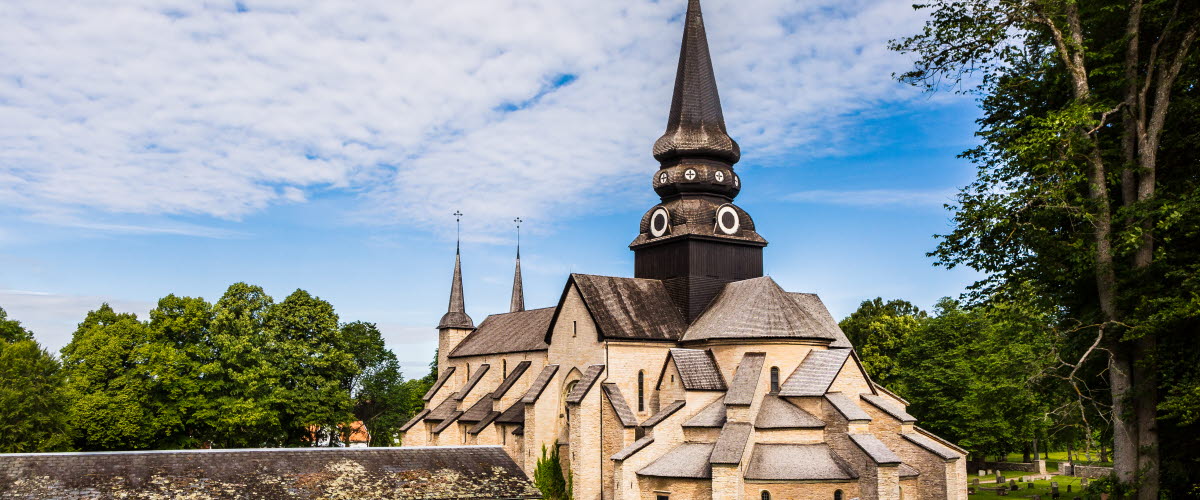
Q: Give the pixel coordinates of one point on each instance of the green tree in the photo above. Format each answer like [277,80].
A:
[878,331]
[1084,192]
[240,377]
[33,401]
[378,389]
[548,476]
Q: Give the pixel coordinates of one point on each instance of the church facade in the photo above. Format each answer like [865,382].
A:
[697,378]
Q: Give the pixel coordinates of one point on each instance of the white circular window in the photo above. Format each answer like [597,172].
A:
[720,176]
[660,221]
[737,182]
[662,178]
[689,174]
[727,220]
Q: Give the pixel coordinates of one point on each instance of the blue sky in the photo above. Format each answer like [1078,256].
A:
[155,147]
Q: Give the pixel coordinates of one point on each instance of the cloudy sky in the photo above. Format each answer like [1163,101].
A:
[178,146]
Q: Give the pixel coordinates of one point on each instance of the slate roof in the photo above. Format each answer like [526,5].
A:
[712,415]
[846,406]
[442,411]
[441,380]
[662,414]
[745,379]
[875,449]
[590,376]
[413,421]
[619,405]
[932,445]
[816,373]
[944,441]
[796,462]
[539,384]
[629,308]
[446,423]
[778,413]
[515,414]
[697,369]
[756,308]
[811,303]
[409,472]
[477,411]
[688,460]
[884,390]
[519,331]
[456,314]
[482,424]
[634,447]
[908,471]
[888,406]
[471,382]
[731,444]
[513,376]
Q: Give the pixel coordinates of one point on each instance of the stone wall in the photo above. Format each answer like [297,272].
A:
[1088,471]
[1035,467]
[404,472]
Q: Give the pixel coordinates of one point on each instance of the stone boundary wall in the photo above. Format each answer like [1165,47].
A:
[1088,471]
[406,472]
[1035,467]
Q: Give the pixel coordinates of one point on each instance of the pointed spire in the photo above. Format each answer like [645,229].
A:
[696,126]
[518,292]
[456,314]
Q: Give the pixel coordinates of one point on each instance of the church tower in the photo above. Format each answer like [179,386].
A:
[455,324]
[696,240]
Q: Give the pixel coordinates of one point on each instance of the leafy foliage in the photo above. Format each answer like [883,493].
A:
[548,476]
[33,404]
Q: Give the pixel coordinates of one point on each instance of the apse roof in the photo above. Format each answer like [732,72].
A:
[816,373]
[745,379]
[519,331]
[777,413]
[796,462]
[688,460]
[757,308]
[712,415]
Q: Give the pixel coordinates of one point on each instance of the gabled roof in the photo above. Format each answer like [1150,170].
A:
[635,447]
[413,421]
[777,413]
[811,303]
[908,471]
[627,308]
[446,373]
[932,446]
[590,376]
[511,379]
[888,406]
[697,369]
[688,460]
[816,373]
[619,405]
[442,411]
[945,442]
[471,382]
[745,379]
[477,411]
[515,414]
[847,407]
[886,392]
[797,462]
[731,444]
[712,415]
[662,414]
[446,423]
[875,449]
[757,308]
[539,384]
[520,331]
[482,424]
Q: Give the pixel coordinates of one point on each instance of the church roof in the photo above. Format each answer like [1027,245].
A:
[731,444]
[846,406]
[662,414]
[456,313]
[796,462]
[581,389]
[446,423]
[413,421]
[446,373]
[875,449]
[888,406]
[511,379]
[471,382]
[745,379]
[816,373]
[515,414]
[688,460]
[777,413]
[482,424]
[628,308]
[509,332]
[619,405]
[812,304]
[442,411]
[695,126]
[756,308]
[477,411]
[635,447]
[539,384]
[697,369]
[932,445]
[713,415]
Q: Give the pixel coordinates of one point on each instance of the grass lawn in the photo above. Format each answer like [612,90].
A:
[1039,488]
[1059,456]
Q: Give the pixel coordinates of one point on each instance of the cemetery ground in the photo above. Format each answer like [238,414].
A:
[1040,488]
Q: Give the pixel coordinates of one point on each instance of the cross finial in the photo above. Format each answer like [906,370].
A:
[518,221]
[457,230]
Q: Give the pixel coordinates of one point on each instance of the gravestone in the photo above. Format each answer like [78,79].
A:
[982,472]
[1029,486]
[1068,488]
[1012,485]
[975,482]
[1083,484]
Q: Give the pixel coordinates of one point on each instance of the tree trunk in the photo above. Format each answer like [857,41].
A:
[1124,428]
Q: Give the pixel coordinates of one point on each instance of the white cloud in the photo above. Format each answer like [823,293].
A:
[876,197]
[53,317]
[174,107]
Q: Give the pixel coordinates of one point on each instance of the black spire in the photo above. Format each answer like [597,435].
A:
[456,314]
[518,292]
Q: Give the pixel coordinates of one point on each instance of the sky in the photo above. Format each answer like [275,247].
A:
[179,146]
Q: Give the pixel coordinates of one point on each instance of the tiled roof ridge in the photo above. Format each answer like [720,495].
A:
[471,382]
[619,405]
[745,379]
[663,413]
[634,447]
[539,384]
[437,385]
[510,380]
[585,383]
[889,407]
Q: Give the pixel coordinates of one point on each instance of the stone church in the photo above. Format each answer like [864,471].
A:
[698,377]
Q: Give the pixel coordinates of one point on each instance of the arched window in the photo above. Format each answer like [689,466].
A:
[837,495]
[766,495]
[774,379]
[642,391]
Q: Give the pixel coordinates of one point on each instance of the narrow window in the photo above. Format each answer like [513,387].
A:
[504,367]
[766,495]
[663,497]
[574,328]
[468,370]
[642,391]
[837,495]
[774,379]
[504,439]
